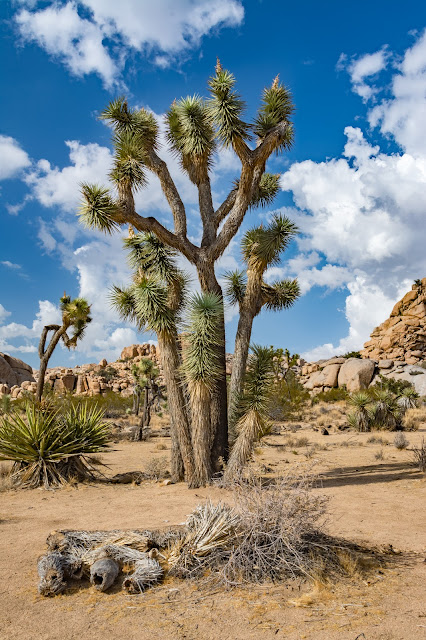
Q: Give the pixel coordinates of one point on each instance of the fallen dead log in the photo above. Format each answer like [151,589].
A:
[103,573]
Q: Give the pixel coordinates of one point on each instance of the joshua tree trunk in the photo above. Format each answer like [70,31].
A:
[177,406]
[202,435]
[45,354]
[249,308]
[143,422]
[249,431]
[219,395]
[177,466]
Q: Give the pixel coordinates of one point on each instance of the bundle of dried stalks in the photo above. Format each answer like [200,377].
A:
[211,533]
[147,572]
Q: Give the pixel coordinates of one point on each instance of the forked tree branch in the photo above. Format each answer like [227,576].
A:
[159,167]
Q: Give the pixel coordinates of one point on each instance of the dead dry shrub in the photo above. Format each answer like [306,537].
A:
[414,418]
[400,441]
[273,532]
[377,440]
[419,456]
[157,468]
[6,481]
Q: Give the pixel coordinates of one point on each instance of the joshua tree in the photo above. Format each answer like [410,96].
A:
[75,317]
[252,423]
[261,249]
[154,301]
[202,370]
[196,129]
[144,375]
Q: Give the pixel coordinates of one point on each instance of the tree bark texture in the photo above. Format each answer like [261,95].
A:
[201,431]
[45,354]
[170,362]
[249,308]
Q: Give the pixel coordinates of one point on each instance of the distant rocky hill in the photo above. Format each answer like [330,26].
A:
[397,349]
[402,336]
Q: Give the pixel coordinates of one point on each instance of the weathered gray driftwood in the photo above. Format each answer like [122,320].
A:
[54,569]
[147,572]
[103,573]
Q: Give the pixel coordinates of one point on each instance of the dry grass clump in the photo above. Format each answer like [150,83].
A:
[400,441]
[157,468]
[378,440]
[294,443]
[379,455]
[413,418]
[419,455]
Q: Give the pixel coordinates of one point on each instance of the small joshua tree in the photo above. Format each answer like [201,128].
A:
[75,317]
[261,248]
[144,375]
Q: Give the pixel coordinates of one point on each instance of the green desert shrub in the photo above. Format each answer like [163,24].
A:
[333,395]
[288,398]
[49,448]
[352,354]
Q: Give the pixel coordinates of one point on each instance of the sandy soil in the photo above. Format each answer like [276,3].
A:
[378,502]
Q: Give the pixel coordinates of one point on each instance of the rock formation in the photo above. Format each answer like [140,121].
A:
[402,337]
[17,378]
[14,372]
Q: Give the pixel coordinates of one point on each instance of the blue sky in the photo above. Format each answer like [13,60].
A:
[354,181]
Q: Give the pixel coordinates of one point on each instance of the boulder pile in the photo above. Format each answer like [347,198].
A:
[402,337]
[397,349]
[84,380]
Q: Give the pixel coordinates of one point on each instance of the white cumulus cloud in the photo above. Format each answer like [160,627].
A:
[97,36]
[364,212]
[13,158]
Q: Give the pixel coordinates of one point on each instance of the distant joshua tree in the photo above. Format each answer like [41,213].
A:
[75,317]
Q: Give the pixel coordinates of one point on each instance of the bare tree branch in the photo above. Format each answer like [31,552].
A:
[159,167]
[226,206]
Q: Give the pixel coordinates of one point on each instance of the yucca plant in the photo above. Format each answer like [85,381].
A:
[49,449]
[144,374]
[154,301]
[386,412]
[252,410]
[408,398]
[261,249]
[360,418]
[201,369]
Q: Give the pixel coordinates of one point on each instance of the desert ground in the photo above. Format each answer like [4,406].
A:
[376,497]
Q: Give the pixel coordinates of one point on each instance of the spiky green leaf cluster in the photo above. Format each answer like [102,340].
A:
[267,190]
[277,107]
[203,339]
[153,257]
[258,380]
[98,210]
[235,288]
[280,295]
[226,108]
[262,246]
[42,444]
[75,314]
[189,129]
[129,160]
[132,121]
